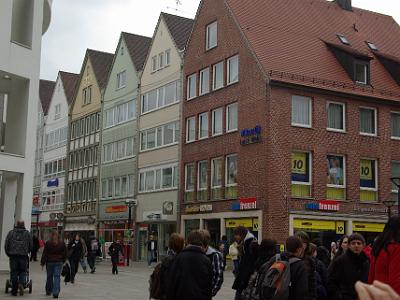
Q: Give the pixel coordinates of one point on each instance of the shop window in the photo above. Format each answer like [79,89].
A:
[368,122]
[202,180]
[191,225]
[395,118]
[301,111]
[216,178]
[336,184]
[336,116]
[301,174]
[368,180]
[231,177]
[189,182]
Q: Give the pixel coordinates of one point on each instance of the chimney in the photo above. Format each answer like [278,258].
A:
[345,4]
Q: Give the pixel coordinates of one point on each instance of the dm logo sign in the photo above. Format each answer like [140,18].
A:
[250,135]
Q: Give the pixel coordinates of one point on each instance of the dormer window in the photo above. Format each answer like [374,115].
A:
[361,72]
[372,46]
[343,39]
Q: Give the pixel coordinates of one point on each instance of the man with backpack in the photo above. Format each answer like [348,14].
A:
[18,245]
[93,250]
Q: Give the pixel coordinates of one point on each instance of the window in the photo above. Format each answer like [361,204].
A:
[232,117]
[161,136]
[167,57]
[170,95]
[395,166]
[233,69]
[361,72]
[56,138]
[57,114]
[120,114]
[231,177]
[157,179]
[161,60]
[189,181]
[203,125]
[217,121]
[212,35]
[368,180]
[336,116]
[118,150]
[216,178]
[154,63]
[191,86]
[87,95]
[202,180]
[395,118]
[190,129]
[372,46]
[204,85]
[110,187]
[121,79]
[368,121]
[301,111]
[54,200]
[301,174]
[218,75]
[55,168]
[132,109]
[160,97]
[343,39]
[336,183]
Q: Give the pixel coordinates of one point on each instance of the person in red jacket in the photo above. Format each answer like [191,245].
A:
[386,256]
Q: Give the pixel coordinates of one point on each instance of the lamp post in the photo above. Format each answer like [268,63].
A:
[396,182]
[389,204]
[130,203]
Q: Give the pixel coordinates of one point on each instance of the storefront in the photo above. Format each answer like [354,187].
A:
[369,230]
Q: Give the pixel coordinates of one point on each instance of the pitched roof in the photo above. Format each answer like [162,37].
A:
[101,63]
[70,82]
[179,27]
[290,39]
[138,46]
[46,88]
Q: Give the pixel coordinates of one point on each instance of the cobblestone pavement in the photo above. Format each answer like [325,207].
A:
[130,284]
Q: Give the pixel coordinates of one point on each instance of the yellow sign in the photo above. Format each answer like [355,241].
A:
[282,248]
[255,224]
[366,169]
[339,227]
[314,224]
[232,223]
[367,227]
[299,162]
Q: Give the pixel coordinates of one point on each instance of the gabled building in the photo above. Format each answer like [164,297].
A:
[54,154]
[83,155]
[118,170]
[292,119]
[159,126]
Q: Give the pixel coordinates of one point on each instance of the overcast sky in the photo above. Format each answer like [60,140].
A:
[80,24]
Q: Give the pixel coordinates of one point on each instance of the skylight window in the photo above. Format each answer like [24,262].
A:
[343,39]
[372,46]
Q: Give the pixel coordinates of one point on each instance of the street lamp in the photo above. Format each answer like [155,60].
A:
[389,204]
[396,182]
[130,203]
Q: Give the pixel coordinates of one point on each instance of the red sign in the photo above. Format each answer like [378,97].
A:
[116,209]
[50,224]
[329,205]
[248,203]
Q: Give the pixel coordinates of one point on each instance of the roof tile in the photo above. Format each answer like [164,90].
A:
[101,63]
[70,83]
[46,89]
[180,29]
[138,46]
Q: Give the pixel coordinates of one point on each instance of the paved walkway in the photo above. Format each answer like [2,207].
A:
[130,284]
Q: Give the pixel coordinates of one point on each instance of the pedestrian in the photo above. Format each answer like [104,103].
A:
[245,240]
[114,250]
[385,262]
[93,247]
[17,246]
[217,262]
[324,255]
[333,250]
[321,274]
[54,255]
[266,251]
[75,254]
[151,250]
[223,247]
[191,272]
[347,269]
[234,254]
[343,246]
[83,261]
[35,247]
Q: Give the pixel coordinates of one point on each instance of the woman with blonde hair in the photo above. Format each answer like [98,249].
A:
[54,255]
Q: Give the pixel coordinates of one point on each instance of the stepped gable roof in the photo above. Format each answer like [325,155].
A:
[138,46]
[180,28]
[101,63]
[46,88]
[70,82]
[291,39]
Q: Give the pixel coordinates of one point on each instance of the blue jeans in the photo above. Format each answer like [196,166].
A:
[53,270]
[151,256]
[18,268]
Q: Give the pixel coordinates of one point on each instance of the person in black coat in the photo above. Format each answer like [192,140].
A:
[35,247]
[75,254]
[347,269]
[114,250]
[191,272]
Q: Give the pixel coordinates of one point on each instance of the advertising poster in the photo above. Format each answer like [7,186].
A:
[367,173]
[335,170]
[300,169]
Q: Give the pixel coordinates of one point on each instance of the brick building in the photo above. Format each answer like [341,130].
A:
[290,119]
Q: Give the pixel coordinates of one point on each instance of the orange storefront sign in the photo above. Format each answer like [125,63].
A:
[116,209]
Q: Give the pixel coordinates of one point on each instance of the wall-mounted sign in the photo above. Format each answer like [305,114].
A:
[325,205]
[81,207]
[152,215]
[245,204]
[250,135]
[53,182]
[168,208]
[193,209]
[382,210]
[116,209]
[367,227]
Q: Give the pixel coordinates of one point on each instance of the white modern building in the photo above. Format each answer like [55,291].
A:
[22,24]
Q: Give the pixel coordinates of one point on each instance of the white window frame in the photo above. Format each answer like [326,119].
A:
[227,117]
[344,186]
[186,173]
[226,170]
[201,116]
[343,113]
[190,119]
[228,82]
[393,137]
[212,173]
[160,98]
[198,176]
[188,83]
[214,67]
[154,63]
[309,183]
[167,57]
[208,30]
[175,139]
[310,112]
[375,121]
[376,175]
[121,80]
[154,170]
[161,61]
[57,111]
[201,78]
[221,109]
[365,82]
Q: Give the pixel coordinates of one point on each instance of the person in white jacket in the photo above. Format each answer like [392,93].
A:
[234,254]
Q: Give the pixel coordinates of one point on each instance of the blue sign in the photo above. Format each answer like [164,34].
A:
[250,135]
[235,206]
[53,182]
